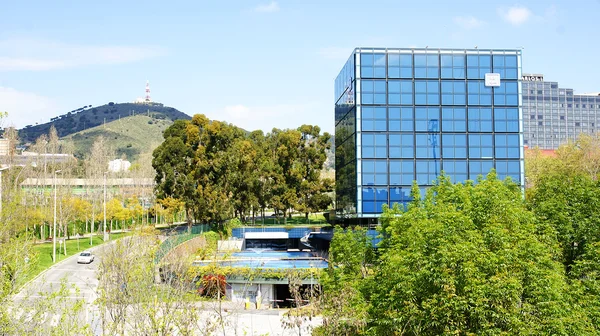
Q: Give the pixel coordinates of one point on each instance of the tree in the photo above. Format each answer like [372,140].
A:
[81,209]
[134,207]
[34,314]
[304,305]
[569,203]
[173,162]
[132,301]
[219,171]
[312,156]
[470,259]
[244,169]
[114,211]
[343,304]
[214,171]
[96,164]
[564,194]
[285,146]
[263,181]
[194,164]
[586,281]
[588,149]
[172,206]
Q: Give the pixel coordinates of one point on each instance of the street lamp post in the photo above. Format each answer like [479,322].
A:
[105,233]
[54,229]
[1,169]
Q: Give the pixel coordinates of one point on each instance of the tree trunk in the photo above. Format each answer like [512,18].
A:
[65,235]
[188,215]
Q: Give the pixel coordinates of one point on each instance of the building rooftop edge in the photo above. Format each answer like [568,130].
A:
[512,50]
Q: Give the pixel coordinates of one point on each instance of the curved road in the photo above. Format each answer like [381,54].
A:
[81,282]
[84,278]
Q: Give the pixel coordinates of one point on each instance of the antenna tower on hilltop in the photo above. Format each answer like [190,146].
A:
[148,99]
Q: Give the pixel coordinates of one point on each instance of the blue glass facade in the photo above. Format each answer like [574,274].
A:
[405,115]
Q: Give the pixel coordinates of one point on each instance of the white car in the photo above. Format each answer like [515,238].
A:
[85,257]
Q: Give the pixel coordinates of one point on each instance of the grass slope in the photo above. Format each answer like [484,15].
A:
[88,117]
[130,136]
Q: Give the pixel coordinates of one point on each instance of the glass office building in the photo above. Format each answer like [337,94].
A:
[405,115]
[553,115]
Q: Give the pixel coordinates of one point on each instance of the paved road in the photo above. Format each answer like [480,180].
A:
[84,278]
[81,283]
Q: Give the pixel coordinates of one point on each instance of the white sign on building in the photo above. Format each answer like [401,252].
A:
[533,78]
[492,79]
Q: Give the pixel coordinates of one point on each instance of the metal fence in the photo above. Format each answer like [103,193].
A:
[177,238]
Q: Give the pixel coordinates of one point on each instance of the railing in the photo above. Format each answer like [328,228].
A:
[178,238]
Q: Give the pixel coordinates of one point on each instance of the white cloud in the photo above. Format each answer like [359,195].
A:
[468,22]
[516,15]
[39,55]
[268,117]
[268,8]
[25,108]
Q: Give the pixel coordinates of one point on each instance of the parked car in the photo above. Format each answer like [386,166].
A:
[85,257]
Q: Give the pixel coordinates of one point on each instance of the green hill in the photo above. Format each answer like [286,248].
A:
[130,136]
[88,117]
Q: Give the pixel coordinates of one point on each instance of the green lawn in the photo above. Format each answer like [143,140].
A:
[44,251]
[295,220]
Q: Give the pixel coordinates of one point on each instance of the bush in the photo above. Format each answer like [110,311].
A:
[212,239]
[230,225]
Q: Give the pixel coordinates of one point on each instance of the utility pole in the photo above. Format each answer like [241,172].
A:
[105,233]
[54,229]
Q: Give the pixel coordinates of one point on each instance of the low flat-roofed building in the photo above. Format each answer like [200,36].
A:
[79,186]
[33,159]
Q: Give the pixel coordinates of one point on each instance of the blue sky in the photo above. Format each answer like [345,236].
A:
[259,64]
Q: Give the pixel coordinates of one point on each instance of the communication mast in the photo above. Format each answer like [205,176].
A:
[148,99]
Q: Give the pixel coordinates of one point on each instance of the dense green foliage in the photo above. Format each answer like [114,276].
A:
[251,273]
[467,259]
[88,117]
[220,171]
[343,303]
[564,193]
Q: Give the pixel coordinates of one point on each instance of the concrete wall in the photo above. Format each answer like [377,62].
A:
[239,292]
[230,245]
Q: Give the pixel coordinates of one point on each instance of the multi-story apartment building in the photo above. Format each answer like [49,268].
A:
[553,115]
